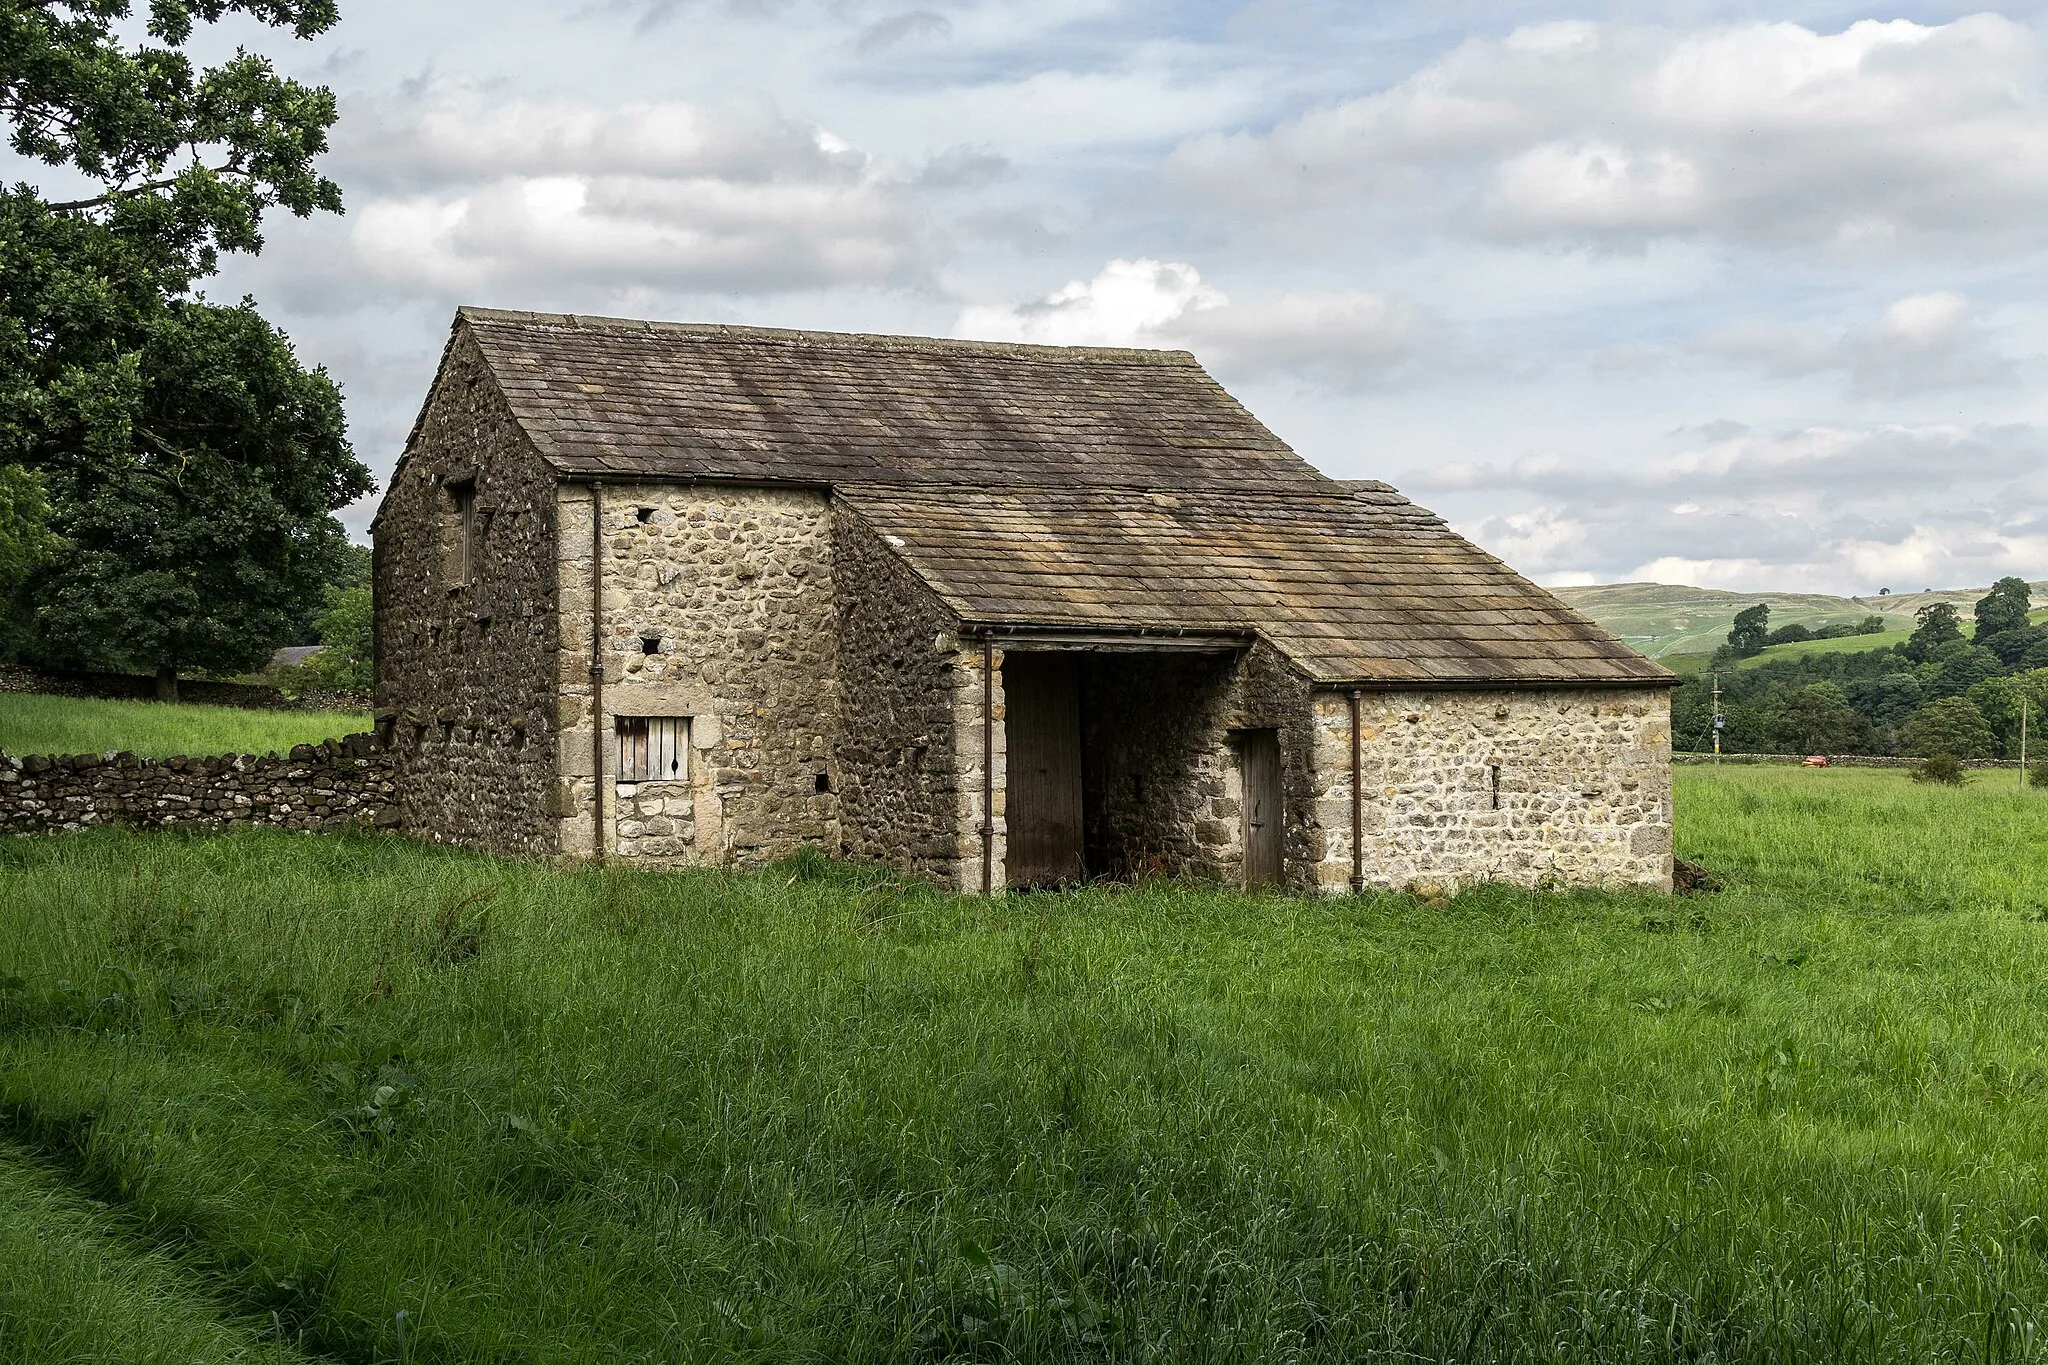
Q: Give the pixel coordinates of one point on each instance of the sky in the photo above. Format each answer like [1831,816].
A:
[1728,294]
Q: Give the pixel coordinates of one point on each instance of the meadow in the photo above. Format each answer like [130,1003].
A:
[280,1098]
[31,723]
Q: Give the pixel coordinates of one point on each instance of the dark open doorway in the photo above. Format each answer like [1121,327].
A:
[1112,757]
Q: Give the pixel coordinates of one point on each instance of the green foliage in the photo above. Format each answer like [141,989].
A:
[200,549]
[2003,609]
[2000,701]
[346,664]
[1938,626]
[26,545]
[171,432]
[1948,725]
[1956,667]
[1751,631]
[84,281]
[1940,770]
[34,724]
[1817,719]
[814,1114]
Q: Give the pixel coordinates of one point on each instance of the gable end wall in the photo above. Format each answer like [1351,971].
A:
[464,682]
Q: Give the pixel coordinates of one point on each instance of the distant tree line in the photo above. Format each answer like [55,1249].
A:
[1940,691]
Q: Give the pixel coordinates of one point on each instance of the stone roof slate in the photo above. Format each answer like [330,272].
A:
[610,397]
[1061,488]
[1355,584]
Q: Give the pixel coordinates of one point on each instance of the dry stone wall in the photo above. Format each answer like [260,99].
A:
[717,608]
[911,734]
[336,785]
[1567,788]
[465,669]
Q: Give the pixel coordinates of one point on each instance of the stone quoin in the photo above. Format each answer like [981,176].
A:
[994,615]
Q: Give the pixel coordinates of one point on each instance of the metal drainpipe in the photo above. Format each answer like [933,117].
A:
[988,766]
[1357,805]
[597,668]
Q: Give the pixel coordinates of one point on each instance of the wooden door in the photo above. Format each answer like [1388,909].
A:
[1264,814]
[1042,703]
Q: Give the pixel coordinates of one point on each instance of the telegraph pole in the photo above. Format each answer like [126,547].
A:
[1720,722]
[2023,741]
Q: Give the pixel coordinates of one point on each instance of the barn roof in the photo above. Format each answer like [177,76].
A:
[1072,489]
[609,397]
[1356,584]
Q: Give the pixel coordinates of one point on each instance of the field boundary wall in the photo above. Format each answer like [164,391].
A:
[334,785]
[197,691]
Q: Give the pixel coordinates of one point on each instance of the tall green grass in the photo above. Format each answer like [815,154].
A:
[31,723]
[816,1114]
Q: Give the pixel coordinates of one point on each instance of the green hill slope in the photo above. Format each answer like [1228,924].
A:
[1663,619]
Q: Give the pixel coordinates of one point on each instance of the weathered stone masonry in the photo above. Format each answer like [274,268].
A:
[1530,787]
[717,607]
[465,678]
[339,784]
[910,741]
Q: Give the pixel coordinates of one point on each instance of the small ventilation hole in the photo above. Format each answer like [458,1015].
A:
[646,515]
[650,644]
[823,784]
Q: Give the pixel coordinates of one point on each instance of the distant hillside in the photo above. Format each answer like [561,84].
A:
[1664,619]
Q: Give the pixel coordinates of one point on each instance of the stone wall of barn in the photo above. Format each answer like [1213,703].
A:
[340,784]
[717,608]
[911,738]
[1567,788]
[465,684]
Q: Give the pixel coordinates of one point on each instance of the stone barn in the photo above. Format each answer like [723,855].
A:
[999,616]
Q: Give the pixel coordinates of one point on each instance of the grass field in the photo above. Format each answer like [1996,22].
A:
[31,723]
[283,1098]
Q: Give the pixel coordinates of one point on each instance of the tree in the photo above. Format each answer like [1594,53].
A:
[82,280]
[1817,719]
[1937,627]
[345,660]
[199,552]
[1999,700]
[2003,609]
[176,501]
[1958,666]
[1949,725]
[1751,630]
[26,544]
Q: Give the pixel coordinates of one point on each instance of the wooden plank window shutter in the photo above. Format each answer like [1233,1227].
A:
[654,748]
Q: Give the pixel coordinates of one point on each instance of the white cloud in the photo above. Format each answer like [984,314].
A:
[1920,343]
[1130,303]
[473,198]
[1884,134]
[1819,508]
[1334,341]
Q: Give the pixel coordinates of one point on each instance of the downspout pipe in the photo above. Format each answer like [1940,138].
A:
[988,766]
[1357,802]
[597,840]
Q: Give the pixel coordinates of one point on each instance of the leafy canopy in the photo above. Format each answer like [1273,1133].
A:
[1950,725]
[1752,628]
[1938,626]
[201,554]
[2004,608]
[193,464]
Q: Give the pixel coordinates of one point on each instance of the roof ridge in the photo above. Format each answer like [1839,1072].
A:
[879,341]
